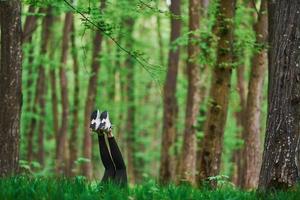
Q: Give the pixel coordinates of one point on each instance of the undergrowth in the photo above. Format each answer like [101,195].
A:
[23,187]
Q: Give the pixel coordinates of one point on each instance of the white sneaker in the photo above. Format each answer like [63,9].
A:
[95,120]
[105,124]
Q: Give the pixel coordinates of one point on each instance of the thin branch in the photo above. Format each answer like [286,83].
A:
[141,61]
[160,11]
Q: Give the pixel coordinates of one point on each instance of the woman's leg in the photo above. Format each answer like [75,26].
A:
[110,170]
[121,174]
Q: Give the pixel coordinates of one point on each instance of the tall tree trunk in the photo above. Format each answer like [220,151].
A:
[46,30]
[130,85]
[280,167]
[10,86]
[252,115]
[90,101]
[204,78]
[170,100]
[238,154]
[75,123]
[61,163]
[188,160]
[29,25]
[54,100]
[219,93]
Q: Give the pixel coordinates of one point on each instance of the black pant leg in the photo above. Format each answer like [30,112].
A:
[121,174]
[107,161]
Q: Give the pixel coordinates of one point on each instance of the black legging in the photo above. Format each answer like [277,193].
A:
[115,169]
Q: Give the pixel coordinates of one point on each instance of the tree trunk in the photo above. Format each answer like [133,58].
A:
[130,84]
[252,115]
[90,101]
[29,25]
[75,123]
[188,160]
[280,167]
[170,100]
[219,93]
[238,155]
[61,163]
[203,94]
[41,91]
[10,86]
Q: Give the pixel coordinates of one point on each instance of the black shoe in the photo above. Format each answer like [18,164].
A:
[105,124]
[95,120]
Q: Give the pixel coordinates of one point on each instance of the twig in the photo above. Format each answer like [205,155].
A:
[139,60]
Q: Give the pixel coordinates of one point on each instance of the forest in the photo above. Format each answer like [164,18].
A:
[202,95]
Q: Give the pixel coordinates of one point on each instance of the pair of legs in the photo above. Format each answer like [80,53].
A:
[115,169]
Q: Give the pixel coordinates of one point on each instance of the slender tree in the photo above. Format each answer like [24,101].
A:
[41,87]
[280,163]
[254,101]
[188,160]
[90,100]
[29,25]
[170,100]
[219,93]
[75,124]
[61,162]
[10,86]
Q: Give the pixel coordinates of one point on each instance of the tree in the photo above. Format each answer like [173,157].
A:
[170,101]
[280,163]
[254,101]
[219,93]
[90,100]
[29,25]
[188,160]
[41,86]
[62,163]
[75,124]
[10,86]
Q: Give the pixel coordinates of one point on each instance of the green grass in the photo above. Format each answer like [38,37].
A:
[23,187]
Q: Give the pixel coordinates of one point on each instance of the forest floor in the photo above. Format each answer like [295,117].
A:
[78,188]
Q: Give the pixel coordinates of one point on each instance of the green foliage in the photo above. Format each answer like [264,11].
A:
[79,188]
[148,80]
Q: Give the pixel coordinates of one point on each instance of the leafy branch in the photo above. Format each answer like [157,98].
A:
[150,68]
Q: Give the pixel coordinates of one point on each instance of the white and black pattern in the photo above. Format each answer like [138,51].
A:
[105,123]
[95,120]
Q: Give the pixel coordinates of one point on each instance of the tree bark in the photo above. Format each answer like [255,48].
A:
[280,163]
[238,155]
[188,160]
[75,123]
[41,87]
[61,163]
[252,115]
[10,86]
[90,101]
[170,100]
[29,25]
[219,94]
